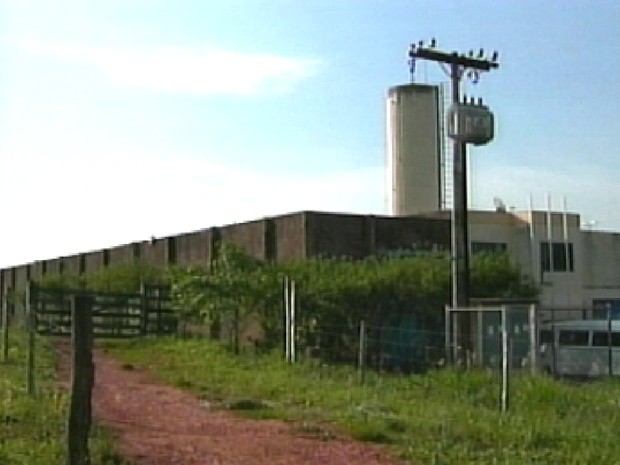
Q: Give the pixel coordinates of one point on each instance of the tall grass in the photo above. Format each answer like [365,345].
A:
[442,417]
[32,428]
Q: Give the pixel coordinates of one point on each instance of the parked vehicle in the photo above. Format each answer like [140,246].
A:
[580,348]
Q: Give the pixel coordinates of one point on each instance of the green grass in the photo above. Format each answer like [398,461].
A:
[32,428]
[443,417]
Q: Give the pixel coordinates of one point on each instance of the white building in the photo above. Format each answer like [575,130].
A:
[575,268]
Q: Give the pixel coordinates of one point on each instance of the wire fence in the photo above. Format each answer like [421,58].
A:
[398,338]
[36,400]
[33,404]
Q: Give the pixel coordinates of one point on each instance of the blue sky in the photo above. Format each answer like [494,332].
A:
[125,119]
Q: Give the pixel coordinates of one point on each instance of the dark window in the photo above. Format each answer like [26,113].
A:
[546,336]
[545,256]
[488,247]
[601,306]
[558,254]
[601,339]
[560,260]
[573,338]
[43,267]
[82,264]
[106,257]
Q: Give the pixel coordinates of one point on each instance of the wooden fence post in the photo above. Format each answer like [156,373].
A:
[82,380]
[5,330]
[160,329]
[31,325]
[144,311]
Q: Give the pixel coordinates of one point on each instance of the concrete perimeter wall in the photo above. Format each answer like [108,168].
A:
[294,236]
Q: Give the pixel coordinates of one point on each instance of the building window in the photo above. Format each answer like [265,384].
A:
[601,306]
[573,338]
[601,339]
[488,247]
[556,256]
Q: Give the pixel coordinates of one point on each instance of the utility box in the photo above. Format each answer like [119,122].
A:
[470,123]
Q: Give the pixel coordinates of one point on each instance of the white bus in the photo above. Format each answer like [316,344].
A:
[580,348]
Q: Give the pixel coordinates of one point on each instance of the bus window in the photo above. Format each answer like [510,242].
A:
[573,338]
[546,336]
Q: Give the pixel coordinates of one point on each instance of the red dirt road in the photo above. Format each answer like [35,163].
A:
[160,425]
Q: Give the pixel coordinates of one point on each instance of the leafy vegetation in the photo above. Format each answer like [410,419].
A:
[333,292]
[441,417]
[121,278]
[32,427]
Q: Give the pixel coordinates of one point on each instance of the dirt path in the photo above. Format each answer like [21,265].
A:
[160,425]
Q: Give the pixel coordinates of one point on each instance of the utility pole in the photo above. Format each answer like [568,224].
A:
[459,65]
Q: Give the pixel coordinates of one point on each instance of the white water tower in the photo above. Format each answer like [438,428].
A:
[413,149]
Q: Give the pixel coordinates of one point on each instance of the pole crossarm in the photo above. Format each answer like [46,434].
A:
[453,58]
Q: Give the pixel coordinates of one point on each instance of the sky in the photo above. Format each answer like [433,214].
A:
[126,119]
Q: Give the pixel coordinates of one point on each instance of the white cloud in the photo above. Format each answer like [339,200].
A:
[202,70]
[76,204]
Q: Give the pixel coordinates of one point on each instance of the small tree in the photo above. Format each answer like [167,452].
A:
[495,275]
[235,287]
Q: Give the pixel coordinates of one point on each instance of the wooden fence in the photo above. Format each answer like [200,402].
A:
[114,315]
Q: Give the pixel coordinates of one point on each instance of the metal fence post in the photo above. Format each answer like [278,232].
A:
[609,342]
[504,396]
[5,330]
[455,336]
[479,360]
[287,321]
[293,323]
[533,339]
[553,345]
[447,315]
[361,356]
[31,325]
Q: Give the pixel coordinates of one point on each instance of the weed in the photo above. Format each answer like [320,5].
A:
[32,428]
